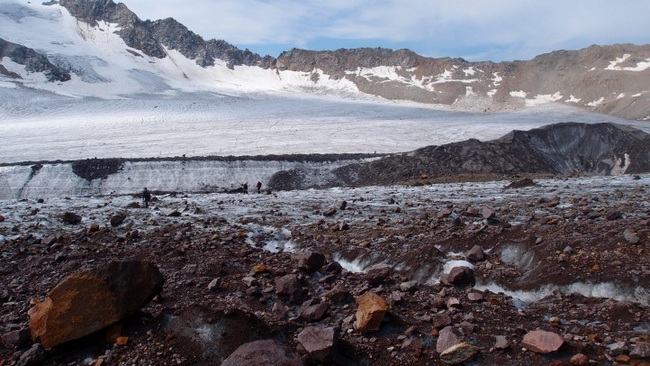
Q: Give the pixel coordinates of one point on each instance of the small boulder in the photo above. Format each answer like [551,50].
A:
[449,336]
[459,276]
[371,309]
[440,320]
[641,350]
[215,284]
[118,219]
[319,342]
[329,212]
[15,338]
[476,254]
[613,215]
[266,352]
[541,341]
[290,287]
[579,359]
[33,356]
[458,354]
[71,218]
[501,342]
[313,310]
[526,182]
[309,261]
[408,286]
[337,294]
[378,273]
[487,213]
[631,236]
[90,300]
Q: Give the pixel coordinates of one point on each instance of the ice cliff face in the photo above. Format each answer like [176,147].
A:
[607,79]
[101,177]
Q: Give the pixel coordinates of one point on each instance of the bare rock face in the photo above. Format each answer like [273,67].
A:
[90,300]
[319,342]
[541,341]
[266,352]
[33,61]
[371,309]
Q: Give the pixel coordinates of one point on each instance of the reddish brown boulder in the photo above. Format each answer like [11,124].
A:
[449,337]
[541,341]
[313,310]
[118,218]
[290,287]
[378,273]
[93,299]
[459,276]
[476,254]
[371,309]
[579,359]
[319,342]
[309,261]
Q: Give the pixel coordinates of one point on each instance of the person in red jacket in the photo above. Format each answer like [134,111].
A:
[259,187]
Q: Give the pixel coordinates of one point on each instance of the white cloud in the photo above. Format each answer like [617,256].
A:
[473,29]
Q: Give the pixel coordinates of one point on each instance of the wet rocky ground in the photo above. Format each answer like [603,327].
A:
[553,273]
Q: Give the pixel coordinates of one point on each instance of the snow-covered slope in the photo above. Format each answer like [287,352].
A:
[103,66]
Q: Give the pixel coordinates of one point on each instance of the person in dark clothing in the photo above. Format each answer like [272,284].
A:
[259,187]
[146,197]
[245,187]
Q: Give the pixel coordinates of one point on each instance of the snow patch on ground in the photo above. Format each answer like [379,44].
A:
[640,66]
[605,290]
[573,99]
[543,99]
[518,94]
[596,103]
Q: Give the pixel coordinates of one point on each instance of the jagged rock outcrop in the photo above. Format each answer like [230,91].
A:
[152,37]
[33,61]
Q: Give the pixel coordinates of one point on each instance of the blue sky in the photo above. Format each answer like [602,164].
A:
[477,30]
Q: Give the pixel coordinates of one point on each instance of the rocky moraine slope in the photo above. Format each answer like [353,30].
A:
[513,272]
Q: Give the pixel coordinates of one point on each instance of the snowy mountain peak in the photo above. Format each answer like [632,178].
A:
[111,53]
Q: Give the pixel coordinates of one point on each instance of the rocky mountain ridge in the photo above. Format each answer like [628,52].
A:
[607,79]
